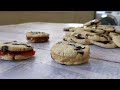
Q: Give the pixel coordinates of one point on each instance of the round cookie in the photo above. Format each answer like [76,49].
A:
[91,36]
[104,44]
[106,28]
[94,22]
[15,51]
[77,40]
[94,30]
[70,53]
[117,31]
[69,28]
[37,37]
[98,37]
[115,38]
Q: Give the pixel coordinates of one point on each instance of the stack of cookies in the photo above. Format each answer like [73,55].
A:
[93,33]
[74,48]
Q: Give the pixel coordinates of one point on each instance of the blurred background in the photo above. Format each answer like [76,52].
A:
[109,17]
[15,17]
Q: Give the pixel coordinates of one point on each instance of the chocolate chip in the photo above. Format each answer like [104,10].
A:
[14,41]
[101,35]
[21,44]
[78,36]
[78,48]
[92,31]
[7,43]
[105,42]
[80,52]
[71,44]
[35,32]
[28,46]
[92,23]
[64,39]
[66,29]
[4,49]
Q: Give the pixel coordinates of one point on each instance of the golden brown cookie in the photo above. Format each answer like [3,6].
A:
[70,53]
[15,51]
[37,37]
[104,44]
[115,38]
[92,23]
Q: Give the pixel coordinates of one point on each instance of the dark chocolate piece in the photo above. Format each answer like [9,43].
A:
[80,52]
[92,31]
[21,44]
[4,49]
[78,48]
[78,36]
[101,35]
[7,43]
[105,42]
[66,30]
[64,39]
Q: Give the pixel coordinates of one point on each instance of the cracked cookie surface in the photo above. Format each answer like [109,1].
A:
[70,53]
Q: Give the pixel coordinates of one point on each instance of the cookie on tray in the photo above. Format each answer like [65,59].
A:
[115,38]
[78,38]
[16,51]
[104,44]
[94,30]
[68,28]
[70,53]
[37,37]
[92,23]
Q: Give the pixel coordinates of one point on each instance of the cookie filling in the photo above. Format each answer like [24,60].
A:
[38,38]
[24,53]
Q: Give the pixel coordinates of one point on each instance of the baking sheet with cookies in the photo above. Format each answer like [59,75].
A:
[103,62]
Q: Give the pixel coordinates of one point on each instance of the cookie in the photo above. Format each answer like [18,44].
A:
[92,36]
[70,53]
[104,44]
[115,38]
[69,28]
[106,28]
[77,40]
[117,31]
[94,30]
[94,22]
[98,37]
[15,51]
[37,37]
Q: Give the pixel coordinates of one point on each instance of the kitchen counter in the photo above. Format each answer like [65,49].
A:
[103,63]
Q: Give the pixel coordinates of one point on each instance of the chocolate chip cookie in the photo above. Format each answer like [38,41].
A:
[15,51]
[70,53]
[37,37]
